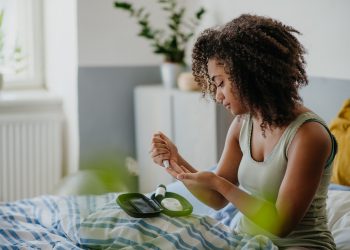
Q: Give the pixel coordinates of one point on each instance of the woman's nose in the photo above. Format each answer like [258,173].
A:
[219,96]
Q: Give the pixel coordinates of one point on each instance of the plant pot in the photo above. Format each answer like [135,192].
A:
[170,73]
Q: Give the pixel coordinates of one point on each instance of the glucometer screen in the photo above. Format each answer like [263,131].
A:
[141,205]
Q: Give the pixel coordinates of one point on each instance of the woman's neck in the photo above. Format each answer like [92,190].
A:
[258,120]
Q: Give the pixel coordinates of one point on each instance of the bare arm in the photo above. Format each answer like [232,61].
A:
[227,169]
[307,156]
[164,149]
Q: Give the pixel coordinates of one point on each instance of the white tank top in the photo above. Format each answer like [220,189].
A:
[263,180]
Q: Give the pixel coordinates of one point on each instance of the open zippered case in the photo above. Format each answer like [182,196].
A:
[141,206]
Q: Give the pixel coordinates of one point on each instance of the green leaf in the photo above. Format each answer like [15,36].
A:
[172,40]
[200,13]
[123,5]
[172,26]
[189,35]
[143,23]
[18,49]
[1,17]
[147,33]
[176,18]
[160,50]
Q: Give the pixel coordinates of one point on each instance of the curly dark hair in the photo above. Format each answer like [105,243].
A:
[264,60]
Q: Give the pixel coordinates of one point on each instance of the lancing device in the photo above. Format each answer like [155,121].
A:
[166,164]
[160,191]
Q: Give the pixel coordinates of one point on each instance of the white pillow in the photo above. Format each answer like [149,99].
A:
[338,207]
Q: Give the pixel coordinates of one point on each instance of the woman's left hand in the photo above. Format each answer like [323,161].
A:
[202,178]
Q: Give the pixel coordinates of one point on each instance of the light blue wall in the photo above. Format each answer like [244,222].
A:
[105,107]
[106,111]
[325,96]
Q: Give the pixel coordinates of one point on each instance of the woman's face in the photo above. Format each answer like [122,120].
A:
[226,94]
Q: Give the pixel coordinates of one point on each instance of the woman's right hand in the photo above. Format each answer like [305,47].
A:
[163,149]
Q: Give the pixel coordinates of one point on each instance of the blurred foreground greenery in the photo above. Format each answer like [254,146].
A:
[100,174]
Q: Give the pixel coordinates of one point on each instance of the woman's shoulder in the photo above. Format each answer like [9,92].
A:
[313,129]
[306,118]
[309,124]
[312,134]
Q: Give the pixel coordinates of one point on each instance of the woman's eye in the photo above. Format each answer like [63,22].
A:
[221,84]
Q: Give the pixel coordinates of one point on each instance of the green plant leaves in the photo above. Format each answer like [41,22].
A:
[200,13]
[170,43]
[123,5]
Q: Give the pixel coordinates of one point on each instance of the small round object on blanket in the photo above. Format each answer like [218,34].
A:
[172,204]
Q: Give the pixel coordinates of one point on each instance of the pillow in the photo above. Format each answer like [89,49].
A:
[338,210]
[340,128]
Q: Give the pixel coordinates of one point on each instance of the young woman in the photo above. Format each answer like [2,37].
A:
[276,163]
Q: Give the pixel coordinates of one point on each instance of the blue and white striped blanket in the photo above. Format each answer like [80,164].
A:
[97,222]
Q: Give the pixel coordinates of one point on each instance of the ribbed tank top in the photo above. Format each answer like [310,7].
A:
[263,180]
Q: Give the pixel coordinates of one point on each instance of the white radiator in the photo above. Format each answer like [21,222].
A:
[30,148]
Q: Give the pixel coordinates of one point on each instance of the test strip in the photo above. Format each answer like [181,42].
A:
[166,164]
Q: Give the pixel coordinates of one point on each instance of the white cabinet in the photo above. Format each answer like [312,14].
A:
[196,125]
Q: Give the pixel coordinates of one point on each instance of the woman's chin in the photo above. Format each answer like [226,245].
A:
[231,111]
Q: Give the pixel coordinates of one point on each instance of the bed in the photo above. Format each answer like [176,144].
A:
[90,222]
[97,222]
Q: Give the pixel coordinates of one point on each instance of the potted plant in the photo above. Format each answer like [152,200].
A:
[171,41]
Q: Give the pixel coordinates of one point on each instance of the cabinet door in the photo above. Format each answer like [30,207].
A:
[152,114]
[195,129]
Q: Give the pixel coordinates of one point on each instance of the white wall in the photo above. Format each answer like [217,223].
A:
[108,36]
[60,35]
[325,25]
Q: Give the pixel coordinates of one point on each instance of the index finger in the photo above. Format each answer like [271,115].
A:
[176,167]
[162,135]
[186,176]
[158,139]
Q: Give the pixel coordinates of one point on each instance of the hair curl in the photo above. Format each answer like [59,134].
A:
[264,60]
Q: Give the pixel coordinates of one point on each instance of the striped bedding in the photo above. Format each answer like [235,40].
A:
[97,222]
